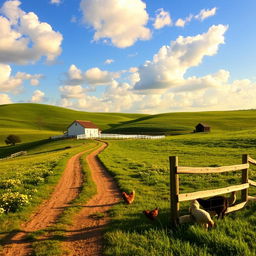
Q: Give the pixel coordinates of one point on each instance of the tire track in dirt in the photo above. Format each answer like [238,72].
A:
[66,190]
[85,235]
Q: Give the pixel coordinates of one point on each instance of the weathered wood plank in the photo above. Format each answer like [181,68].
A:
[251,197]
[251,182]
[203,170]
[251,160]
[236,207]
[212,192]
[244,179]
[174,191]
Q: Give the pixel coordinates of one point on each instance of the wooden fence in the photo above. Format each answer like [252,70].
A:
[176,197]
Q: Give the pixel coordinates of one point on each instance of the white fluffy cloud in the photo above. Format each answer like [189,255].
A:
[212,92]
[162,19]
[55,1]
[4,99]
[13,84]
[202,15]
[164,76]
[169,65]
[38,96]
[24,38]
[72,91]
[123,22]
[96,76]
[108,61]
[90,77]
[182,22]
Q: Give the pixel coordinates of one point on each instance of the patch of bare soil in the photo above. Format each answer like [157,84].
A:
[85,235]
[66,190]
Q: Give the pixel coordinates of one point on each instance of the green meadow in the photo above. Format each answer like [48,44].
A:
[142,165]
[36,121]
[183,123]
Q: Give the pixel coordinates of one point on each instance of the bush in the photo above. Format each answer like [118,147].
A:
[10,183]
[12,139]
[34,180]
[12,201]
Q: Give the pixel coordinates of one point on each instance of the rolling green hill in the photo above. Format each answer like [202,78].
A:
[180,123]
[35,121]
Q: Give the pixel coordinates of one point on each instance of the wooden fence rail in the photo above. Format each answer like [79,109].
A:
[176,197]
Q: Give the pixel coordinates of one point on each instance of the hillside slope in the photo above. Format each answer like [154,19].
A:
[180,123]
[37,121]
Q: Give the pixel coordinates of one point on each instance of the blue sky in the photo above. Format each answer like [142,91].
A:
[129,55]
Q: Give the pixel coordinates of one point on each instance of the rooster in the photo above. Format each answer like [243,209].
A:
[128,198]
[151,214]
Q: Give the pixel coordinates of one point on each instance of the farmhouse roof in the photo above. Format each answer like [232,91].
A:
[86,124]
[204,125]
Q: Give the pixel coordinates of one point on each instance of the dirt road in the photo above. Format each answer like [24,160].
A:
[68,189]
[85,235]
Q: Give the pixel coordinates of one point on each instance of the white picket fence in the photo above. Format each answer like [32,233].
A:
[120,136]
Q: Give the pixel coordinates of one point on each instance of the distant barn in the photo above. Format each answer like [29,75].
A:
[202,128]
[79,127]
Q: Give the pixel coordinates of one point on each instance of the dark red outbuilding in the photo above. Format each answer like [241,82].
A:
[202,128]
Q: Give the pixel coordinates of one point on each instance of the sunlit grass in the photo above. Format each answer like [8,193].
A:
[38,174]
[143,165]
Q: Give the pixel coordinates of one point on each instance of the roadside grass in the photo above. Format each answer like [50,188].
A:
[143,165]
[34,176]
[48,241]
[40,146]
[26,135]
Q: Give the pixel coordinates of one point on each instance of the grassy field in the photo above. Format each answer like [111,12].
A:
[35,121]
[181,123]
[135,164]
[143,165]
[26,181]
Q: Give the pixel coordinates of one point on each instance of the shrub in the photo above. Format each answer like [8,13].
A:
[11,201]
[34,180]
[10,183]
[2,211]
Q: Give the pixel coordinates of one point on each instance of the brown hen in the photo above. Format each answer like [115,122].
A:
[151,214]
[128,198]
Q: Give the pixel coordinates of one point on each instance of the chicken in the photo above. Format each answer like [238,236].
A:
[200,216]
[151,214]
[128,198]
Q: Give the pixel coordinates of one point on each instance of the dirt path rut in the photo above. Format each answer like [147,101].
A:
[66,190]
[85,235]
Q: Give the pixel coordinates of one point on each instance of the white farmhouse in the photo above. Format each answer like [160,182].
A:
[87,128]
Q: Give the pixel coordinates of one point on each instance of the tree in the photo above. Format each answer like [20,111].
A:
[12,139]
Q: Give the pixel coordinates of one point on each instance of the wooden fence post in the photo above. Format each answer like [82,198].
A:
[174,190]
[244,192]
